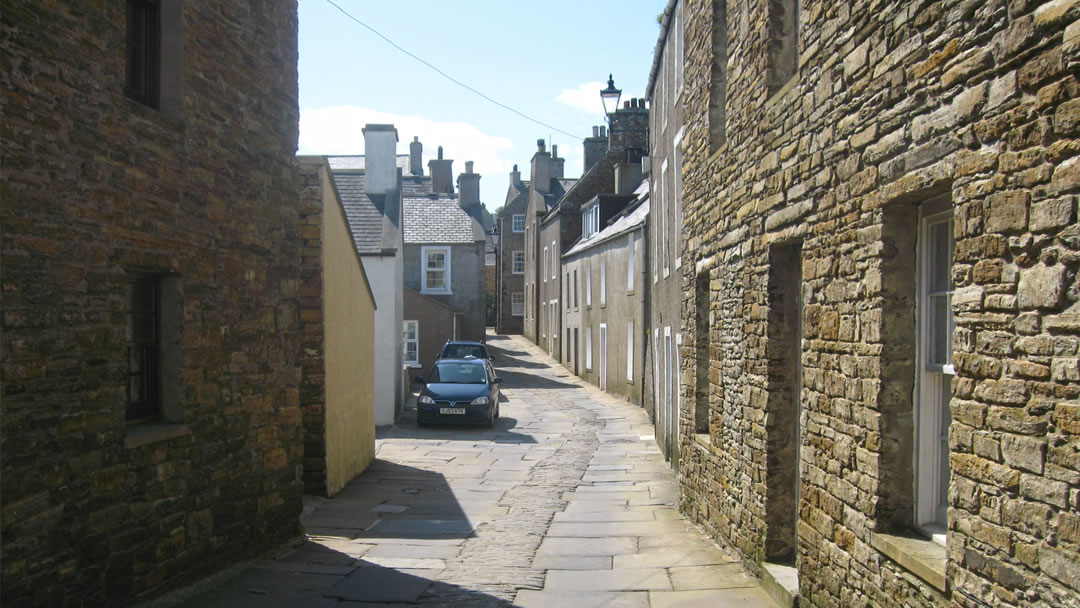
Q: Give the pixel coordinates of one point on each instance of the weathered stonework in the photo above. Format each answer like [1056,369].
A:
[96,187]
[893,105]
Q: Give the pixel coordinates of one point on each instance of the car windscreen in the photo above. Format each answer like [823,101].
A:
[462,351]
[456,372]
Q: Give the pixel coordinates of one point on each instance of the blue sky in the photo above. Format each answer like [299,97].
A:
[545,59]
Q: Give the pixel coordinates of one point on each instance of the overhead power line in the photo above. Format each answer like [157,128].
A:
[449,77]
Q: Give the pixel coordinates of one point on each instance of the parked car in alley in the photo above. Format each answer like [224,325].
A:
[461,349]
[459,390]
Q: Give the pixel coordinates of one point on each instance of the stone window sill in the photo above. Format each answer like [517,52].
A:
[145,434]
[703,441]
[921,556]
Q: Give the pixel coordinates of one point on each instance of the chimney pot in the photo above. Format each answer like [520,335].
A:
[416,153]
[468,166]
[440,152]
[554,151]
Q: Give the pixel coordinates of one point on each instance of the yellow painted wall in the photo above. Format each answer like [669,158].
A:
[349,316]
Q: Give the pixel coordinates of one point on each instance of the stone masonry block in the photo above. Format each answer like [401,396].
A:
[1026,453]
[1041,287]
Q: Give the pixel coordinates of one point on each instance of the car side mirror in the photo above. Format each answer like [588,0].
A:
[491,357]
[497,380]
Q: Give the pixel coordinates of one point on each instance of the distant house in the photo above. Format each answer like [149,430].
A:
[370,191]
[555,221]
[444,261]
[546,188]
[510,273]
[337,314]
[604,291]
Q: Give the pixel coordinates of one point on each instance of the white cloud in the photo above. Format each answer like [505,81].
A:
[339,130]
[585,97]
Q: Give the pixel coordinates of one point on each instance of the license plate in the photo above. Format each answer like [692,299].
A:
[451,410]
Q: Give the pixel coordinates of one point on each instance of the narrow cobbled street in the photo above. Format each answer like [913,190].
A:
[566,502]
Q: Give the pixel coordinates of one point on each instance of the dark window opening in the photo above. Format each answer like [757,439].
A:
[783,436]
[703,332]
[718,78]
[143,348]
[783,42]
[143,51]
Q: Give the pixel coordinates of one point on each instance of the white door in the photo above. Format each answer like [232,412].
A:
[668,375]
[603,356]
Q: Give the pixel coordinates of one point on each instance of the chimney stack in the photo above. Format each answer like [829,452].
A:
[556,163]
[380,158]
[416,152]
[628,177]
[442,181]
[468,187]
[630,126]
[595,147]
[515,177]
[541,168]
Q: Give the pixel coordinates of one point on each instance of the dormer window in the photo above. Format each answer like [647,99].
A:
[590,221]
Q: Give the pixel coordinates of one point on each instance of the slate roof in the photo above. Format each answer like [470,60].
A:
[365,219]
[356,161]
[623,224]
[438,219]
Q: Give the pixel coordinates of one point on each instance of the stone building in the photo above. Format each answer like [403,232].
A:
[337,316]
[546,188]
[444,246]
[881,372]
[661,370]
[510,271]
[553,222]
[604,289]
[152,428]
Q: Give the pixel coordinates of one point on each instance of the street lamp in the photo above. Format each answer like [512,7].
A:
[610,97]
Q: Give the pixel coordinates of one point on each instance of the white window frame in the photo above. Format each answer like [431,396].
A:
[631,242]
[406,341]
[425,251]
[676,154]
[514,222]
[542,322]
[543,275]
[630,352]
[588,283]
[590,221]
[664,233]
[554,266]
[678,58]
[603,283]
[588,348]
[602,372]
[933,378]
[517,304]
[515,257]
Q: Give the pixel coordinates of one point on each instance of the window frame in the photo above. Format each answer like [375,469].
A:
[931,452]
[588,348]
[405,341]
[514,222]
[630,351]
[517,309]
[588,284]
[142,73]
[515,257]
[603,283]
[544,274]
[590,221]
[425,252]
[631,261]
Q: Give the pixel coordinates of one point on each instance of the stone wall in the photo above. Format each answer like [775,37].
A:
[893,105]
[98,188]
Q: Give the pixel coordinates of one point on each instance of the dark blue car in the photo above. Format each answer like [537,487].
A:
[459,390]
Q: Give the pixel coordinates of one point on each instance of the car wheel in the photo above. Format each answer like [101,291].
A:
[420,423]
[496,410]
[491,420]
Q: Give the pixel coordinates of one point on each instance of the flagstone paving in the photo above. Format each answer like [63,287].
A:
[566,502]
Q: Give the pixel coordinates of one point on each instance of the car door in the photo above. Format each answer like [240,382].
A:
[494,391]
